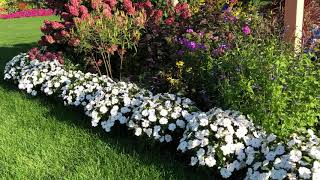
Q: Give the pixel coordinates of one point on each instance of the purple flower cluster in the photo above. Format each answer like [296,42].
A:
[191,45]
[246,30]
[28,13]
[220,50]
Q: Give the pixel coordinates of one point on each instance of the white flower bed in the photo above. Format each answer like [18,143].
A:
[222,140]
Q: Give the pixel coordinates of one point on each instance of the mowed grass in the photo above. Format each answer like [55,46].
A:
[41,139]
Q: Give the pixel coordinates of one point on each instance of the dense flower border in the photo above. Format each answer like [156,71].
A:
[222,140]
[28,13]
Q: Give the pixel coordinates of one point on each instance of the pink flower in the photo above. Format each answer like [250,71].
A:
[111,3]
[182,9]
[85,16]
[169,21]
[45,29]
[190,30]
[95,4]
[148,4]
[48,39]
[246,30]
[83,10]
[75,3]
[233,1]
[129,7]
[64,33]
[33,53]
[186,14]
[107,13]
[72,10]
[57,25]
[28,13]
[157,16]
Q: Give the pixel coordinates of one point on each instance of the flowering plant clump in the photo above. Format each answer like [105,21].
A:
[27,13]
[313,44]
[297,158]
[161,116]
[101,36]
[222,139]
[217,139]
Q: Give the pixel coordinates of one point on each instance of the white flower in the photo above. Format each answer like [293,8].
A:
[200,152]
[126,101]
[310,132]
[34,93]
[304,173]
[241,132]
[163,120]
[180,123]
[123,120]
[103,109]
[175,115]
[316,166]
[124,110]
[115,91]
[94,115]
[183,146]
[295,155]
[163,112]
[172,126]
[204,142]
[148,131]
[193,143]
[210,161]
[156,128]
[194,161]
[174,2]
[56,84]
[213,127]
[152,118]
[250,159]
[225,173]
[271,138]
[168,138]
[145,113]
[241,156]
[278,174]
[257,165]
[255,142]
[203,122]
[315,152]
[137,116]
[316,175]
[228,139]
[264,176]
[270,155]
[138,131]
[145,124]
[227,149]
[280,150]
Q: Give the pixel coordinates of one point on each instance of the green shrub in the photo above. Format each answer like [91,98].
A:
[264,79]
[246,66]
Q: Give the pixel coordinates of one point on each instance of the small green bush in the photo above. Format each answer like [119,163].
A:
[265,80]
[246,66]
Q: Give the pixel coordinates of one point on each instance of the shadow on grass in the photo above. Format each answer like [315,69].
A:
[159,155]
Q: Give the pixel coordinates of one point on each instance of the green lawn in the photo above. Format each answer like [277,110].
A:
[39,138]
